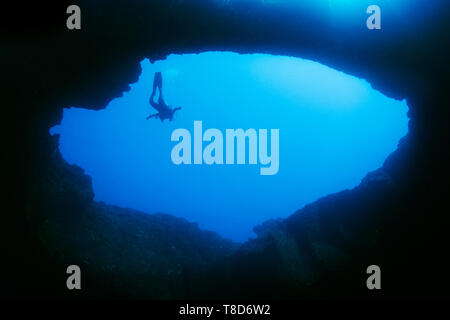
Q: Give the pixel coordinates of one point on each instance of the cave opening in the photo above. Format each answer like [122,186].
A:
[333,129]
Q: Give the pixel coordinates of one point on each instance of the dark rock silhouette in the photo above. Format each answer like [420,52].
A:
[397,218]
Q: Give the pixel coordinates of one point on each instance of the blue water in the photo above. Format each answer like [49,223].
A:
[333,129]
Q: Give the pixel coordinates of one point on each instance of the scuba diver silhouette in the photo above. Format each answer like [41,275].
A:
[164,110]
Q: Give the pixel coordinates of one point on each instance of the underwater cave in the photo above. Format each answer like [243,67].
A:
[92,181]
[333,129]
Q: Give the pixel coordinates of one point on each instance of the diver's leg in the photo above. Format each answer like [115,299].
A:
[155,105]
[157,80]
[157,84]
[161,99]
[160,86]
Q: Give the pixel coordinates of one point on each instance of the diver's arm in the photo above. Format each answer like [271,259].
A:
[156,115]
